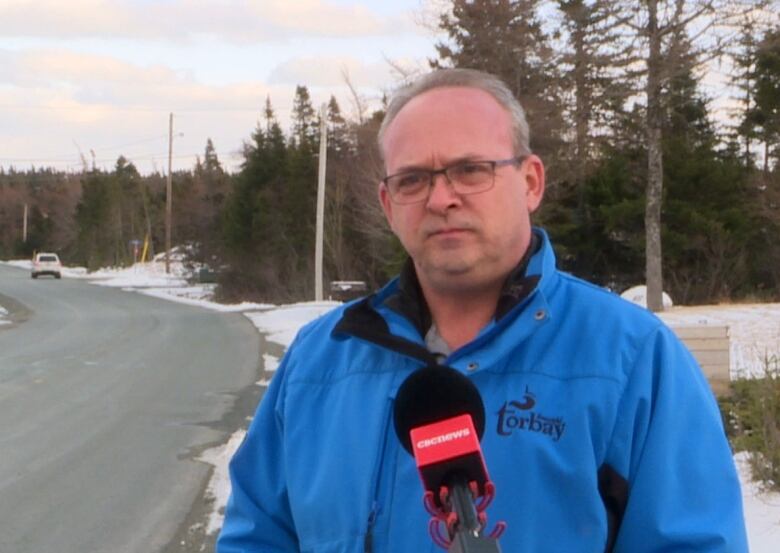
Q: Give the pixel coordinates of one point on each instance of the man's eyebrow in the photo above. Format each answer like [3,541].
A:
[454,161]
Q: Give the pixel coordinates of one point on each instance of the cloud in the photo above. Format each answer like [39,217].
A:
[330,71]
[238,21]
[61,96]
[41,125]
[53,99]
[205,61]
[35,67]
[318,18]
[7,66]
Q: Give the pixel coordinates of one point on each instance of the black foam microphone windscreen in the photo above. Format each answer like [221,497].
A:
[433,394]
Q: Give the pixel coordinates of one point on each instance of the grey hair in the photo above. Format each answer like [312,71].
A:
[467,78]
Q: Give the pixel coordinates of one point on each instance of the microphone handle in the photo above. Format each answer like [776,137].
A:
[467,538]
[463,505]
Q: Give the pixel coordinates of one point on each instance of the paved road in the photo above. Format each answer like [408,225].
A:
[106,397]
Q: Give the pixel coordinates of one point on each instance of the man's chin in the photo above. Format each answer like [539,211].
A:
[454,267]
[451,273]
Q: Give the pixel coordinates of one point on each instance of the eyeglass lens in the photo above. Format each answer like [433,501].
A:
[466,178]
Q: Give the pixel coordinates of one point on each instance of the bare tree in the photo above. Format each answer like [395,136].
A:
[677,36]
[358,102]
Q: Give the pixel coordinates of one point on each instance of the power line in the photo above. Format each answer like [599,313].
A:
[150,109]
[101,160]
[70,159]
[69,156]
[142,141]
[67,159]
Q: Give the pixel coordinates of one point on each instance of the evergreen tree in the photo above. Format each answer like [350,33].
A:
[764,118]
[708,221]
[343,244]
[211,181]
[40,229]
[338,131]
[304,119]
[93,216]
[506,38]
[592,64]
[713,228]
[743,56]
[594,58]
[254,220]
[211,164]
[130,211]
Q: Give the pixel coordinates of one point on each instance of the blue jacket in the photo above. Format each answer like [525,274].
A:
[601,433]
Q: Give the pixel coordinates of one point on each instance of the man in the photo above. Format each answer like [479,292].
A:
[601,433]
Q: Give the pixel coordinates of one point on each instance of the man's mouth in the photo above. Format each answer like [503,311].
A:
[448,231]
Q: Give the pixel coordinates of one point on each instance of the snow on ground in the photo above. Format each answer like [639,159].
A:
[218,488]
[280,325]
[151,279]
[762,511]
[270,362]
[71,272]
[754,328]
[20,263]
[199,295]
[141,275]
[638,295]
[754,332]
[147,274]
[3,315]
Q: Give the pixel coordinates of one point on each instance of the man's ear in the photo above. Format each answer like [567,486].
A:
[386,203]
[534,182]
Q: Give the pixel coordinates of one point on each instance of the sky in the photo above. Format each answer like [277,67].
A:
[89,80]
[98,78]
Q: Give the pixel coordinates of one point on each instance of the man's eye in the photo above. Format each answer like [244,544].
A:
[411,180]
[471,169]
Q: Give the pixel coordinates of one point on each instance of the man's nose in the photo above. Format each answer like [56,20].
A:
[442,195]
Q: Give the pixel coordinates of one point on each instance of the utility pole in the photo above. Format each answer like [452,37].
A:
[320,204]
[24,225]
[169,198]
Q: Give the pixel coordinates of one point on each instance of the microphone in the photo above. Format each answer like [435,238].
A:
[439,419]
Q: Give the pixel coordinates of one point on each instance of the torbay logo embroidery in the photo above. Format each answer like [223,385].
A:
[517,415]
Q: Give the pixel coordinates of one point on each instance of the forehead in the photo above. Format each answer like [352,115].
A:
[447,123]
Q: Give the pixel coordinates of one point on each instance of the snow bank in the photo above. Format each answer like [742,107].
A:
[282,324]
[140,275]
[218,488]
[20,263]
[754,331]
[762,511]
[200,295]
[638,295]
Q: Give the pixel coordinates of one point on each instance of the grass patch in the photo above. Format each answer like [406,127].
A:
[751,414]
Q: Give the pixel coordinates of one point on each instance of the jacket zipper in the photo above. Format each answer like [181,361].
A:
[368,545]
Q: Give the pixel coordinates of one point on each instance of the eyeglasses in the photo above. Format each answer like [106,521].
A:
[466,177]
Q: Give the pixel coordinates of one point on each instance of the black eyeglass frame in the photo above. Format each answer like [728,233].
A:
[494,163]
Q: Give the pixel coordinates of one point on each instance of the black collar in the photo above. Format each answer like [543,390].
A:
[409,301]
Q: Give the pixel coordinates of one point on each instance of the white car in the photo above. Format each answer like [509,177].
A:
[46,264]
